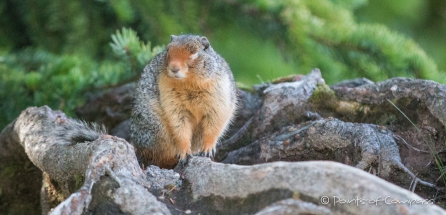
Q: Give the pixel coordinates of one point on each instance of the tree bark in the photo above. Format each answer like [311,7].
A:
[297,118]
[243,189]
[85,164]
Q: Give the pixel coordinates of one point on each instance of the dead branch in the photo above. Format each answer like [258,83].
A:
[322,183]
[69,151]
[87,171]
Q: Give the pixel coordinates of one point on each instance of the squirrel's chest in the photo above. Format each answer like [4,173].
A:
[195,104]
[196,100]
[193,99]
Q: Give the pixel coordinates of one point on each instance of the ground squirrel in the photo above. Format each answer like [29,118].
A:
[183,103]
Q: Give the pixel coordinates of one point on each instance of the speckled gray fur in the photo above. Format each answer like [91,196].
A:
[145,123]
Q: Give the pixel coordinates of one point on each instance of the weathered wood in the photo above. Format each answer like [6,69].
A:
[231,189]
[78,158]
[364,146]
[430,93]
[20,180]
[297,118]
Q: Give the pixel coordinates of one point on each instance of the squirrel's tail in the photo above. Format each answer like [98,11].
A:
[77,131]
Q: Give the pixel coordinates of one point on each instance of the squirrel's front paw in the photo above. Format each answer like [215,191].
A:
[208,150]
[182,153]
[209,143]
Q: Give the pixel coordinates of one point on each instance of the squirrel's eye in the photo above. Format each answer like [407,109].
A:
[193,56]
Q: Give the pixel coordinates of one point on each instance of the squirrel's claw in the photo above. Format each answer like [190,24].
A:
[208,153]
[183,162]
[184,153]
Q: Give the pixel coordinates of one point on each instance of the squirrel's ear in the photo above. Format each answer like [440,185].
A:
[172,37]
[205,42]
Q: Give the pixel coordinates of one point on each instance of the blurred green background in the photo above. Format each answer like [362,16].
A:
[56,52]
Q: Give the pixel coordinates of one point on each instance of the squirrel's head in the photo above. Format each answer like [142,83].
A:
[186,54]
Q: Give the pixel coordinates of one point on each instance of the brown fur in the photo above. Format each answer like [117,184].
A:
[176,97]
[196,102]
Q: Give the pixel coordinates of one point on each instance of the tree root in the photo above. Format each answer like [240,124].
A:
[71,153]
[329,139]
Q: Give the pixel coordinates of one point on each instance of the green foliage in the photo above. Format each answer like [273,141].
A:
[424,21]
[160,19]
[403,12]
[54,51]
[260,58]
[123,9]
[127,47]
[350,4]
[37,77]
[327,36]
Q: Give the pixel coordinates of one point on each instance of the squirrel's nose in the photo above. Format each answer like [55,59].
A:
[174,69]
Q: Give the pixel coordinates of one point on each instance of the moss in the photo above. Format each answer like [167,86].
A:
[326,103]
[380,114]
[9,171]
[324,98]
[387,115]
[296,195]
[349,109]
[386,119]
[79,180]
[169,186]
